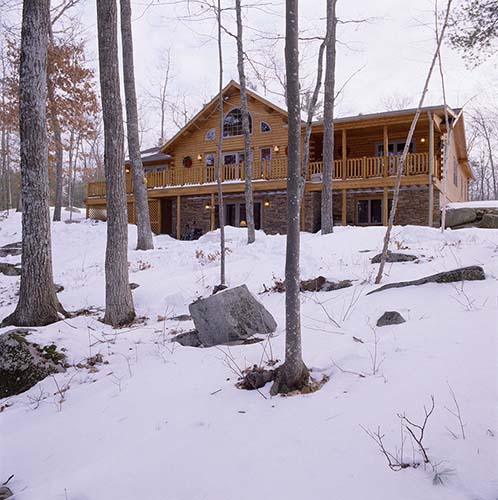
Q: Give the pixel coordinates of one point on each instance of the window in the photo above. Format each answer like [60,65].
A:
[264,127]
[235,214]
[369,211]
[209,159]
[265,154]
[210,134]
[455,172]
[232,124]
[393,148]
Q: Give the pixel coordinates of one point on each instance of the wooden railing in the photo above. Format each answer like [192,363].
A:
[354,168]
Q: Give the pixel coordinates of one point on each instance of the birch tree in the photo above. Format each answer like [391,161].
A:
[38,304]
[251,233]
[328,120]
[119,308]
[293,374]
[142,217]
[402,160]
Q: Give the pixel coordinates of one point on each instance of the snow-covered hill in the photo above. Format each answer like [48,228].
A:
[157,421]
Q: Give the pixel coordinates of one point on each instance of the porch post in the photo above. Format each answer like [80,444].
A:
[344,220]
[178,216]
[431,169]
[344,155]
[386,152]
[212,212]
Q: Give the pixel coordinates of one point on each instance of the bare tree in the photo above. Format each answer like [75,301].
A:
[406,149]
[328,120]
[293,374]
[142,217]
[251,234]
[119,303]
[221,206]
[38,304]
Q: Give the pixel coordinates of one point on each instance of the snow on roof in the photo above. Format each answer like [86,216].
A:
[474,204]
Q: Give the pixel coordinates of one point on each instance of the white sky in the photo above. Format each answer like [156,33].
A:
[394,49]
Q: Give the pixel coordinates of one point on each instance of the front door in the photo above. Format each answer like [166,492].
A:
[166,217]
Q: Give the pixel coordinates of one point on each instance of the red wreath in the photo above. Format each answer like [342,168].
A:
[187,162]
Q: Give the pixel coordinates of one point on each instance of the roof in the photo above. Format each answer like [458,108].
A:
[212,105]
[152,155]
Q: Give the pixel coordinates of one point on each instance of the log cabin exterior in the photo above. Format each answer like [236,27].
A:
[181,175]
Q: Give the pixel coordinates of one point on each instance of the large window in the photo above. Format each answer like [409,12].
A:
[232,124]
[235,214]
[369,211]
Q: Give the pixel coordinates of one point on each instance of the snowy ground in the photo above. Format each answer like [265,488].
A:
[165,422]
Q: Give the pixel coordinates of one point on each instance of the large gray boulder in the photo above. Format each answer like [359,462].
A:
[489,221]
[459,216]
[230,315]
[24,364]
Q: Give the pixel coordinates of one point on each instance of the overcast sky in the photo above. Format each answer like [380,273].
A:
[394,48]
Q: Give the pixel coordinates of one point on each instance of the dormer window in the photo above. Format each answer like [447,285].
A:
[264,127]
[232,124]
[210,134]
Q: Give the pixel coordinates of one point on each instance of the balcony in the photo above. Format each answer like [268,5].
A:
[364,168]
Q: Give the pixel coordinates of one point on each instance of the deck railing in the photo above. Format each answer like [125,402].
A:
[354,168]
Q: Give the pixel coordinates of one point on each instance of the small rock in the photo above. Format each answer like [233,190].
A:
[313,285]
[5,493]
[10,269]
[489,221]
[11,249]
[330,286]
[181,317]
[188,339]
[394,257]
[133,286]
[390,318]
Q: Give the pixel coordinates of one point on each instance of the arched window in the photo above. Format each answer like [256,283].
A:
[210,134]
[264,127]
[232,124]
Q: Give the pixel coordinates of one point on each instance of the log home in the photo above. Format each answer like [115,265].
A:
[181,175]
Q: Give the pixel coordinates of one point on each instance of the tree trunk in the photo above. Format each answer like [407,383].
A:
[402,160]
[119,303]
[328,120]
[142,218]
[251,234]
[221,206]
[311,114]
[59,149]
[38,304]
[293,374]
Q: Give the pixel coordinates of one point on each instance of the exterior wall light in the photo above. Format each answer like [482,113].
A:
[127,170]
[199,157]
[207,206]
[267,203]
[276,149]
[423,139]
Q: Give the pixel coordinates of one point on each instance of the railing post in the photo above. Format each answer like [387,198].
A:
[364,167]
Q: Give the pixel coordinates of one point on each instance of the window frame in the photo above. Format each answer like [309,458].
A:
[251,128]
[263,122]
